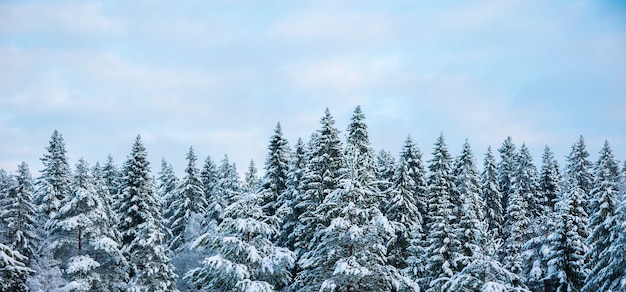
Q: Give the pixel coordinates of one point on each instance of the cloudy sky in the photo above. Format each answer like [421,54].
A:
[219,75]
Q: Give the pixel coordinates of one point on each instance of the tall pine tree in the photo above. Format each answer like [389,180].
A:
[274,181]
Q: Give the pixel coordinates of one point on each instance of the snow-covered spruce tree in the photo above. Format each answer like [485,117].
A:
[350,253]
[274,181]
[567,247]
[112,178]
[13,270]
[142,227]
[402,212]
[245,258]
[615,271]
[467,181]
[188,205]
[527,183]
[506,170]
[54,183]
[516,232]
[321,177]
[287,202]
[494,213]
[226,184]
[604,222]
[167,182]
[416,169]
[18,214]
[85,240]
[208,176]
[549,178]
[385,167]
[17,224]
[579,167]
[442,245]
[251,179]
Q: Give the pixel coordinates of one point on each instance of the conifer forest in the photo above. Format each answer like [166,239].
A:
[327,213]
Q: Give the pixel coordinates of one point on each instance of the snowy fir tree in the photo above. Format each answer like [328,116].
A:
[549,178]
[142,227]
[320,178]
[208,176]
[567,247]
[516,232]
[167,182]
[385,167]
[442,246]
[506,170]
[54,183]
[226,184]
[112,177]
[188,205]
[490,190]
[83,237]
[13,270]
[467,181]
[17,227]
[287,212]
[527,183]
[403,213]
[349,254]
[274,181]
[605,224]
[245,258]
[416,169]
[578,167]
[251,179]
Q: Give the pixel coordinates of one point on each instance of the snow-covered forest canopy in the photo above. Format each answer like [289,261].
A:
[328,213]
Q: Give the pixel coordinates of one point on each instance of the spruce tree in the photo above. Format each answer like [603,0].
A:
[506,170]
[604,222]
[402,212]
[516,232]
[442,244]
[226,184]
[288,212]
[166,188]
[274,181]
[13,270]
[208,176]
[416,169]
[350,253]
[567,248]
[467,181]
[245,258]
[17,225]
[54,183]
[549,178]
[320,178]
[112,177]
[188,205]
[251,180]
[527,183]
[142,226]
[494,213]
[385,167]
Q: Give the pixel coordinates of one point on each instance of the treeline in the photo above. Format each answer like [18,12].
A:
[325,215]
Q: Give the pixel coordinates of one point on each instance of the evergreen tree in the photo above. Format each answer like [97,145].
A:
[209,177]
[17,224]
[442,244]
[494,213]
[566,257]
[385,167]
[467,181]
[142,227]
[516,232]
[251,179]
[350,253]
[13,270]
[245,258]
[527,183]
[167,185]
[416,169]
[579,167]
[112,177]
[287,211]
[276,168]
[506,170]
[187,206]
[54,183]
[226,184]
[321,177]
[550,178]
[604,222]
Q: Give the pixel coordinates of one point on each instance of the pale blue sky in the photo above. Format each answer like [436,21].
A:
[218,75]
